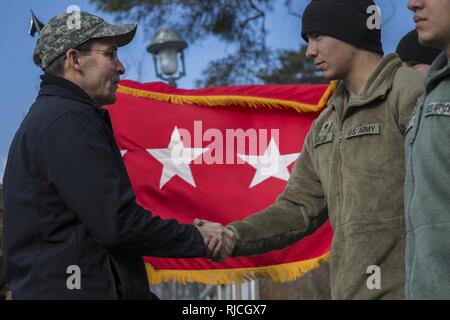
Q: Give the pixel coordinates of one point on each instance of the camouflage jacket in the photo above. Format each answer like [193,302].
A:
[351,170]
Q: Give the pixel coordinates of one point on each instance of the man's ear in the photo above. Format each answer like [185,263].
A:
[73,59]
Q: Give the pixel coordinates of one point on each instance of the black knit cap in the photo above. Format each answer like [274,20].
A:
[410,49]
[345,20]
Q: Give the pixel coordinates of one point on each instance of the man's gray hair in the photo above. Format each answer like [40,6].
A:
[56,68]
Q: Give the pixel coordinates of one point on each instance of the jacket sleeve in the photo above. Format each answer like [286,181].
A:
[299,210]
[408,87]
[80,159]
[406,111]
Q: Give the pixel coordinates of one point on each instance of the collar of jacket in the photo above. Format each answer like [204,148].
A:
[56,86]
[377,85]
[440,68]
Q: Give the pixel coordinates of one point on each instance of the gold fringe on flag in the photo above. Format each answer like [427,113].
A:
[227,100]
[280,273]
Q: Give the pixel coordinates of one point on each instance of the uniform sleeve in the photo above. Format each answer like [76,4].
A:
[406,111]
[408,87]
[78,156]
[298,211]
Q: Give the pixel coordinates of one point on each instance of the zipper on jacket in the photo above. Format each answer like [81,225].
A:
[339,160]
[410,146]
[340,182]
[115,278]
[121,275]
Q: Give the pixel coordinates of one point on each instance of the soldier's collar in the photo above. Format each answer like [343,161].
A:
[73,91]
[439,69]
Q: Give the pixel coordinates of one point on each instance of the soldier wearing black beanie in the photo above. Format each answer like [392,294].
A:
[414,54]
[351,169]
[345,20]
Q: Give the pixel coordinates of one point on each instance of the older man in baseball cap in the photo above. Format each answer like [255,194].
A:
[62,42]
[72,228]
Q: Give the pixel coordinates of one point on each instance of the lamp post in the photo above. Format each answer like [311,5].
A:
[167,45]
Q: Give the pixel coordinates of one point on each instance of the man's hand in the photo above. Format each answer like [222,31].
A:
[219,240]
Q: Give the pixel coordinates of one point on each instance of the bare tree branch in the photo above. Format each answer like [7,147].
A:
[244,23]
[288,5]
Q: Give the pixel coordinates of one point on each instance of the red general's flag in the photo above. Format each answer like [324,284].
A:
[220,154]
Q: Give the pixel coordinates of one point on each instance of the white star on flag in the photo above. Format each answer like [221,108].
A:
[176,159]
[270,164]
[122,152]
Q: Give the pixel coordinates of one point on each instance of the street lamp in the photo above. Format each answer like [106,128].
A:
[166,46]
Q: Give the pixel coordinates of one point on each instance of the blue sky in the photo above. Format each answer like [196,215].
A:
[19,83]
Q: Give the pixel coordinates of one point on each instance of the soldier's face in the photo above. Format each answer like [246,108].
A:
[102,70]
[432,18]
[331,56]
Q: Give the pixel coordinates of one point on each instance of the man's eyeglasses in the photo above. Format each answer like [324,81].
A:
[112,54]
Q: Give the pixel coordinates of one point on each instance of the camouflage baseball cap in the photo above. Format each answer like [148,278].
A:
[69,30]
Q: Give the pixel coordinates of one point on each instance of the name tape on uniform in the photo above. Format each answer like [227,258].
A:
[366,129]
[438,109]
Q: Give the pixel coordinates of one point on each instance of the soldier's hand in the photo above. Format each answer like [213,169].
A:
[219,240]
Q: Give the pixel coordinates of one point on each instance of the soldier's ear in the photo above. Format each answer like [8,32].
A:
[73,59]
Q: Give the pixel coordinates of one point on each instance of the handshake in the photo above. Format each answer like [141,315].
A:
[219,240]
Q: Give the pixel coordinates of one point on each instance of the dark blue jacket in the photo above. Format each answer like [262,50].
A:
[68,201]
